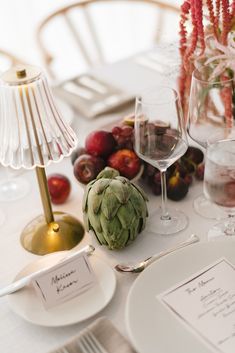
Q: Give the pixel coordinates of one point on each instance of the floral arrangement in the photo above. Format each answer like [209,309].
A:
[207,37]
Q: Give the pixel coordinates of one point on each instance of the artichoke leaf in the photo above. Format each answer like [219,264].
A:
[122,240]
[141,191]
[116,242]
[134,229]
[108,172]
[125,237]
[94,219]
[120,190]
[110,204]
[101,185]
[142,224]
[125,214]
[123,180]
[99,237]
[86,221]
[85,196]
[138,203]
[109,228]
[94,201]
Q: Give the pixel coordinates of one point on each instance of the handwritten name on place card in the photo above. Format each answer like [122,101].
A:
[206,304]
[64,281]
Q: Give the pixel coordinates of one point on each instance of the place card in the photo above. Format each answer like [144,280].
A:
[205,302]
[65,280]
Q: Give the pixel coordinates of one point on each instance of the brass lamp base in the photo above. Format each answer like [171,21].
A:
[42,238]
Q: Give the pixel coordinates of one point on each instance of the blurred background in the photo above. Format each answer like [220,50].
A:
[20,20]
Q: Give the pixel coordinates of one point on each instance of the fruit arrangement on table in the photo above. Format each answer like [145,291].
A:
[115,149]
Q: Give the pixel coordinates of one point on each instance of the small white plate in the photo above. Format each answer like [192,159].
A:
[26,304]
[151,326]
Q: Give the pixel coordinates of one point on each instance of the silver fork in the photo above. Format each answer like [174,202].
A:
[89,344]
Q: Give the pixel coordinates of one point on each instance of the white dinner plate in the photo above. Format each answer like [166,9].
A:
[26,303]
[151,326]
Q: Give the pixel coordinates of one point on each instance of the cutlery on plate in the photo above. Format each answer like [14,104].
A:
[140,266]
[93,84]
[24,281]
[89,343]
[80,91]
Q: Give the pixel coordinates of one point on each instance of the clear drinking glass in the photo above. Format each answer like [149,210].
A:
[219,180]
[210,111]
[13,186]
[160,139]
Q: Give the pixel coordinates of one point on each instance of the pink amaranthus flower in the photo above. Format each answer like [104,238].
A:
[211,40]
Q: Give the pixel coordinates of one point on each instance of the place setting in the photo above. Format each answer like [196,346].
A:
[91,96]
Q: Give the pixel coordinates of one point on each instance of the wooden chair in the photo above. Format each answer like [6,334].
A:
[8,59]
[82,17]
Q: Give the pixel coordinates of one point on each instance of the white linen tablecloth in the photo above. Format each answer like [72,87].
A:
[19,336]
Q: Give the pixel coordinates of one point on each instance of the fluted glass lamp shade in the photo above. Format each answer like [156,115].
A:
[33,134]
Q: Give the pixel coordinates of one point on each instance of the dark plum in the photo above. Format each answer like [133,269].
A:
[188,179]
[194,154]
[87,167]
[188,165]
[177,188]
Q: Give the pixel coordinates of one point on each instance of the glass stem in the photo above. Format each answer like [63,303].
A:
[165,214]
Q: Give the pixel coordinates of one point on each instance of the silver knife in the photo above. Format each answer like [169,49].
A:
[24,281]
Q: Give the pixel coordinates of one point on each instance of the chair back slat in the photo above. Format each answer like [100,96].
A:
[159,25]
[96,55]
[77,38]
[94,36]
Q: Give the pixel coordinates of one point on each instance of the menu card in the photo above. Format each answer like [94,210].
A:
[206,304]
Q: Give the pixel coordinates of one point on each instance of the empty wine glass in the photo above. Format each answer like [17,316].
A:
[13,186]
[219,180]
[160,139]
[210,111]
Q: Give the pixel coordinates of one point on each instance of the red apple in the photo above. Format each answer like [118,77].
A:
[126,162]
[87,167]
[59,188]
[100,143]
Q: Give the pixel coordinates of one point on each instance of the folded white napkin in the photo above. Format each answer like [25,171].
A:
[105,333]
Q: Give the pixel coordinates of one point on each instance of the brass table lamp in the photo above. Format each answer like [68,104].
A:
[32,135]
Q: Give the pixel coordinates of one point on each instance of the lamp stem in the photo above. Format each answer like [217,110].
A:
[45,196]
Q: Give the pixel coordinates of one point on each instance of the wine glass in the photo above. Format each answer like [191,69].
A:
[210,111]
[160,139]
[13,187]
[219,180]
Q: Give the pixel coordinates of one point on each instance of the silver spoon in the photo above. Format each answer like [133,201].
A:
[140,266]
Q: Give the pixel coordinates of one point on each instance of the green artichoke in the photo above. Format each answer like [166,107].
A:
[114,209]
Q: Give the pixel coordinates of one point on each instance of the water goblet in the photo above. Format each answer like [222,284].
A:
[160,139]
[219,181]
[210,111]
